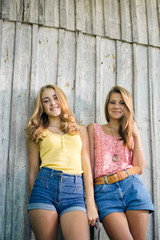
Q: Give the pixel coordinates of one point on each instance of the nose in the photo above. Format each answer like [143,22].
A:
[117,105]
[52,102]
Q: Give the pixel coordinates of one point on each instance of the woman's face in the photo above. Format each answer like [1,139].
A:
[50,103]
[116,106]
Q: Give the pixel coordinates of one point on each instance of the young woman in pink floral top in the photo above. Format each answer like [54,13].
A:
[117,158]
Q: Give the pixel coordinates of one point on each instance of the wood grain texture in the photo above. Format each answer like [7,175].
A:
[153,23]
[125,65]
[84,16]
[139,21]
[44,60]
[98,17]
[66,65]
[142,114]
[7,32]
[105,74]
[126,23]
[85,79]
[154,87]
[17,169]
[67,14]
[31,11]
[112,18]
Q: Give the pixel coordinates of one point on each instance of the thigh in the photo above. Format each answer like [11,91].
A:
[44,224]
[137,220]
[116,226]
[74,225]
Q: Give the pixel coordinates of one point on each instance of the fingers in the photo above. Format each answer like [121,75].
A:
[94,223]
[92,214]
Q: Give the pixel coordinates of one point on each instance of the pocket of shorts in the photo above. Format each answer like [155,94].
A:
[42,178]
[98,188]
[137,178]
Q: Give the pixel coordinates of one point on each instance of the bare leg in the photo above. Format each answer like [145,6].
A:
[44,224]
[116,226]
[137,220]
[75,226]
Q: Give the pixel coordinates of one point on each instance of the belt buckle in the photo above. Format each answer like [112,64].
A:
[106,180]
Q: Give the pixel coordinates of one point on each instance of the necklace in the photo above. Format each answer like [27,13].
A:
[55,130]
[115,157]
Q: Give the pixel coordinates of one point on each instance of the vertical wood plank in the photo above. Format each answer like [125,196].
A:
[0,9]
[142,114]
[153,24]
[7,31]
[44,60]
[52,13]
[49,13]
[125,14]
[138,14]
[67,14]
[41,12]
[66,65]
[16,10]
[98,17]
[85,79]
[105,74]
[84,16]
[17,182]
[46,56]
[112,19]
[5,8]
[124,65]
[34,68]
[158,9]
[154,86]
[31,11]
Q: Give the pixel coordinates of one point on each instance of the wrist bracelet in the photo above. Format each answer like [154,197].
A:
[138,149]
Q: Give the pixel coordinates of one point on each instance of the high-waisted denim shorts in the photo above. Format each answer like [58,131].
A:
[128,194]
[57,191]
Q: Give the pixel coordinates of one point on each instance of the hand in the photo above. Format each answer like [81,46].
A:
[135,131]
[92,214]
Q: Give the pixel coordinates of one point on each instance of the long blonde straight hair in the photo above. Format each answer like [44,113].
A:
[39,120]
[125,129]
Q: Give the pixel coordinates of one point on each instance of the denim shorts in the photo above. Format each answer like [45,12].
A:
[128,194]
[57,191]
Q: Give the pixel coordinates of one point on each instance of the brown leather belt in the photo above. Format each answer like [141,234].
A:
[116,177]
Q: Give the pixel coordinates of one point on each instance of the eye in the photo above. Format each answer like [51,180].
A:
[122,103]
[111,102]
[45,101]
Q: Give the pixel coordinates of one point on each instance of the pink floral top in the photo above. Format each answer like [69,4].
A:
[104,150]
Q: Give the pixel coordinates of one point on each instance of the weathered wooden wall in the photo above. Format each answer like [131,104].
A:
[85,47]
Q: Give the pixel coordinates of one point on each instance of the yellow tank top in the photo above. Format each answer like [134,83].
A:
[61,152]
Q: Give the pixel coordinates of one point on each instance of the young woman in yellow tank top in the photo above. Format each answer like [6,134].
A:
[58,158]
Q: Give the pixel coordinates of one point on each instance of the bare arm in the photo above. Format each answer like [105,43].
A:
[138,154]
[90,129]
[88,177]
[33,155]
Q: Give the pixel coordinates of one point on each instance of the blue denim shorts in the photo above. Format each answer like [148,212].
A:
[57,191]
[128,194]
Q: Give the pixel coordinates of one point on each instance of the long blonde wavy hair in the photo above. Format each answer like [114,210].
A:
[125,129]
[39,120]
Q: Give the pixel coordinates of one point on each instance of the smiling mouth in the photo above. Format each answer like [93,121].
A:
[53,108]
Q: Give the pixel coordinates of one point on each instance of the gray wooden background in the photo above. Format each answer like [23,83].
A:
[85,47]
